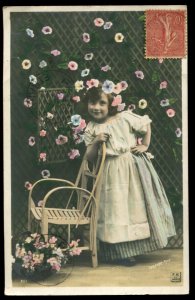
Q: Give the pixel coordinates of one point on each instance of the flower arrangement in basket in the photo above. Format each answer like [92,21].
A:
[35,256]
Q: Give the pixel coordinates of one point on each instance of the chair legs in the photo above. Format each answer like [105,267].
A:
[44,228]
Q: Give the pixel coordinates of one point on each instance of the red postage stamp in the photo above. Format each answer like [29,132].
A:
[165,34]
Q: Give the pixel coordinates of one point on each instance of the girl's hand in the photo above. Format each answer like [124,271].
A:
[139,149]
[102,137]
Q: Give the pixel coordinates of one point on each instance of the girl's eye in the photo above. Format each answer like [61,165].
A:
[102,102]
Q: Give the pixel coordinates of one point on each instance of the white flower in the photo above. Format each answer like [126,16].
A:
[45,174]
[50,116]
[88,56]
[30,32]
[33,79]
[85,72]
[42,64]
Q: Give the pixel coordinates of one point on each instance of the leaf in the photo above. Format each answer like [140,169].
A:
[142,18]
[178,142]
[155,76]
[158,92]
[172,100]
[62,66]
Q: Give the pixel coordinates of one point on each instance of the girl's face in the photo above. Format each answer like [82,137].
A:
[99,109]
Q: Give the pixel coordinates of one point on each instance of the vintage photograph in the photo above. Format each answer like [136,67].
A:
[95,150]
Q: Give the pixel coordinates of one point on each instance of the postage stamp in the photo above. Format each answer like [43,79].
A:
[82,219]
[165,34]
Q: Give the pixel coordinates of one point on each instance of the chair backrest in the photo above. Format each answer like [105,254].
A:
[89,176]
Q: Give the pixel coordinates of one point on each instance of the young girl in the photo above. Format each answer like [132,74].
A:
[134,214]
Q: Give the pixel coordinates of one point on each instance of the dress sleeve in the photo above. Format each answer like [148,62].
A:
[137,123]
[89,134]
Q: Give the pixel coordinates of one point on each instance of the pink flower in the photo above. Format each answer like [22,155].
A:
[74,153]
[170,112]
[139,74]
[60,96]
[76,99]
[178,132]
[163,85]
[52,240]
[47,30]
[62,139]
[117,89]
[106,68]
[28,185]
[81,126]
[121,107]
[92,83]
[40,203]
[131,107]
[160,60]
[43,133]
[74,243]
[72,65]
[27,102]
[99,22]
[76,251]
[117,100]
[86,37]
[31,141]
[42,156]
[124,85]
[55,52]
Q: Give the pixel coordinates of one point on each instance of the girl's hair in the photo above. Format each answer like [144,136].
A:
[94,94]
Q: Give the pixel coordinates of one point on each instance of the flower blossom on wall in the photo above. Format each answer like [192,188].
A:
[139,74]
[27,102]
[142,104]
[79,85]
[86,37]
[99,22]
[30,32]
[92,83]
[85,72]
[55,52]
[42,64]
[88,56]
[26,64]
[108,25]
[108,86]
[170,112]
[31,141]
[74,153]
[106,68]
[47,30]
[33,79]
[61,140]
[163,85]
[76,99]
[45,174]
[119,37]
[72,65]
[178,132]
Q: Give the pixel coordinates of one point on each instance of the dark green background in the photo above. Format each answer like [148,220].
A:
[124,58]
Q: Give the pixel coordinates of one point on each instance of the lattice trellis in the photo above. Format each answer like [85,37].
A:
[62,111]
[123,59]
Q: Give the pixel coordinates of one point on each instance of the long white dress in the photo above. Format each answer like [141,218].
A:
[133,205]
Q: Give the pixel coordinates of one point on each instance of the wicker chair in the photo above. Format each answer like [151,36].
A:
[86,203]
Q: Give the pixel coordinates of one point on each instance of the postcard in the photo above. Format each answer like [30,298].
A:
[95,150]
